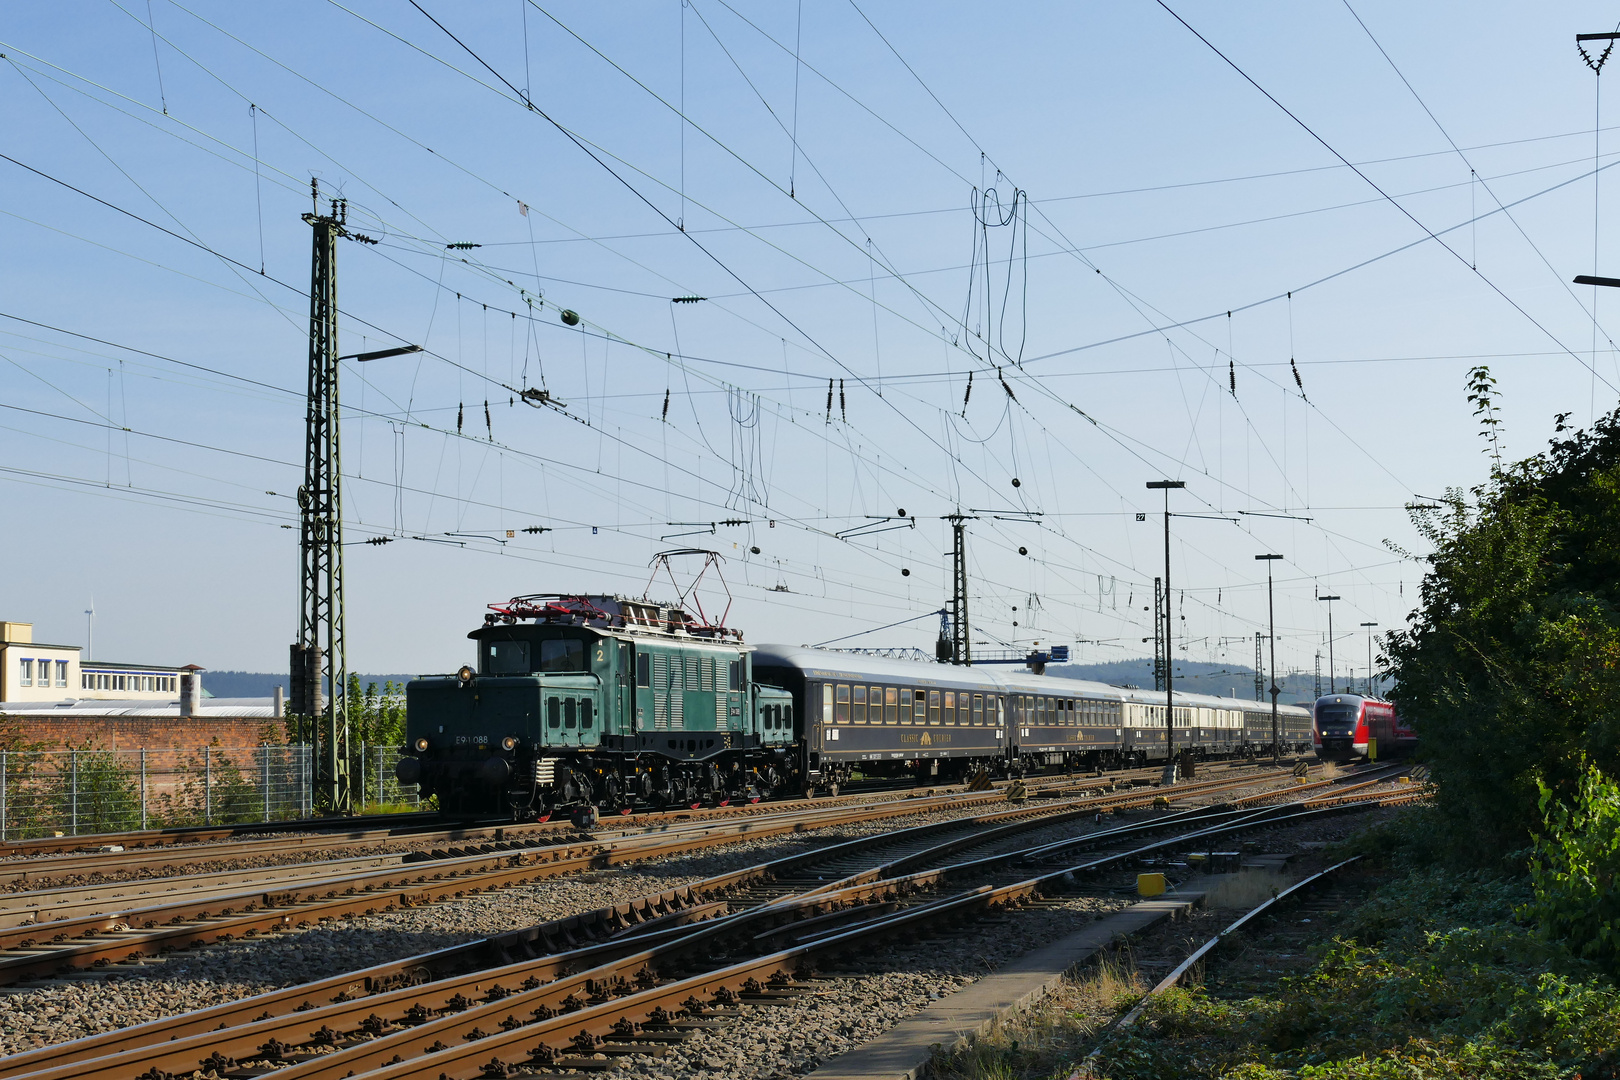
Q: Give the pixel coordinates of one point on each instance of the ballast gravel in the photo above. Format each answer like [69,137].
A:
[782,1041]
[32,1016]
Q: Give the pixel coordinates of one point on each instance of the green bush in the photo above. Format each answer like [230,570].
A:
[1576,867]
[1509,670]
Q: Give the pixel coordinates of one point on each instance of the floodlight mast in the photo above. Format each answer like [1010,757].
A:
[1332,686]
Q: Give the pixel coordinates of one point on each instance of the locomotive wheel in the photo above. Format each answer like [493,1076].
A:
[832,790]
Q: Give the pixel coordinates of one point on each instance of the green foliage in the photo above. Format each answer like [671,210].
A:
[1575,868]
[1510,668]
[109,790]
[1434,979]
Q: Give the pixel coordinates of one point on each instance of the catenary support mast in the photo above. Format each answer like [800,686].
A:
[319,668]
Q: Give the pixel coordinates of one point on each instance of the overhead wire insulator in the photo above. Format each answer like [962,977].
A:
[829,399]
[1297,380]
[489,427]
[458,417]
[967,394]
[665,417]
[1004,385]
[842,411]
[1231,374]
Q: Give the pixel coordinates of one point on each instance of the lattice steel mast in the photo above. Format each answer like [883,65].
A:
[319,667]
[961,650]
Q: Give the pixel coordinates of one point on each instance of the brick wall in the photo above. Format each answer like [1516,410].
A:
[152,732]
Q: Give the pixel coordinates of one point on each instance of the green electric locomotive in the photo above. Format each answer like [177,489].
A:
[587,704]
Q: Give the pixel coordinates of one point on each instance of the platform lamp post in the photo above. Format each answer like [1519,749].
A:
[1271,609]
[1167,486]
[1332,687]
[1368,626]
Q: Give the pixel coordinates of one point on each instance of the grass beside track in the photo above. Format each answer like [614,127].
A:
[1433,977]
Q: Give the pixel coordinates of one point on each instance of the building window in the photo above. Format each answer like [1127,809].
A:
[61,672]
[27,672]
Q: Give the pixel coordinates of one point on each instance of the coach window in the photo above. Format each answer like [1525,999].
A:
[978,708]
[826,703]
[933,706]
[859,714]
[919,707]
[950,707]
[553,712]
[891,705]
[841,705]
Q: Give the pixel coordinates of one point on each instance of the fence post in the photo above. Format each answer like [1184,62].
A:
[73,827]
[143,788]
[208,785]
[4,799]
[305,751]
[362,772]
[380,799]
[264,757]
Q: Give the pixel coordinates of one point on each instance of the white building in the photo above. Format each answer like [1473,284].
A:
[33,671]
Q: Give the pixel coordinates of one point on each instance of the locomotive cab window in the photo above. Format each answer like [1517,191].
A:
[570,713]
[643,669]
[562,654]
[506,658]
[734,675]
[553,712]
[585,710]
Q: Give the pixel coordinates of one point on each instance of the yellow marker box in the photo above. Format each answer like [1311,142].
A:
[1150,884]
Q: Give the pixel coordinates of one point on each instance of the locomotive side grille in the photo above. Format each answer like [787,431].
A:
[707,665]
[677,709]
[693,679]
[660,664]
[720,715]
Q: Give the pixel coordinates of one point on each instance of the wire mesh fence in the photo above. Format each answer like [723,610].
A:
[92,790]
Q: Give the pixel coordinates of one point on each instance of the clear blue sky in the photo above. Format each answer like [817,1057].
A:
[826,206]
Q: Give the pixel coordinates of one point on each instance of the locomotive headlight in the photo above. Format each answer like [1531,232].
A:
[509,743]
[421,745]
[465,674]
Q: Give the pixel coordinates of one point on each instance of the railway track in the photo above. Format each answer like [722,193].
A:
[46,933]
[634,977]
[1320,894]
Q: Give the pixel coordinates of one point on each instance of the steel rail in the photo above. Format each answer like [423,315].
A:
[460,1042]
[101,939]
[660,915]
[1088,1065]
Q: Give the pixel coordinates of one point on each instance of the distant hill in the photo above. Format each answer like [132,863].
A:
[1193,677]
[240,684]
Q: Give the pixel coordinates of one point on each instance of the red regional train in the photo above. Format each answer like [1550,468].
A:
[1346,726]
